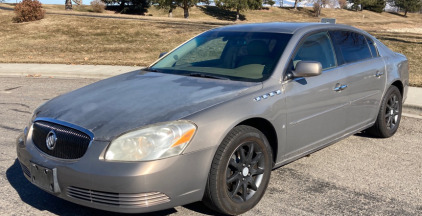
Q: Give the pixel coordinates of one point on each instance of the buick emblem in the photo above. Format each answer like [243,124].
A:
[51,139]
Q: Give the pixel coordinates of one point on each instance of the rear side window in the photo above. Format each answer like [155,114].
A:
[374,50]
[351,46]
[316,47]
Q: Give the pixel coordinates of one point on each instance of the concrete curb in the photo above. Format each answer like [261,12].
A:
[413,111]
[411,115]
[64,70]
[413,104]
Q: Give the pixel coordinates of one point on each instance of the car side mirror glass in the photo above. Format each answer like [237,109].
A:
[162,54]
[307,69]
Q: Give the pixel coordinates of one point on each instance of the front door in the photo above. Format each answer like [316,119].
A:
[315,105]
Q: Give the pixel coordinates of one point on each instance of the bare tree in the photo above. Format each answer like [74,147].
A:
[281,2]
[317,7]
[296,1]
[319,4]
[170,5]
[68,4]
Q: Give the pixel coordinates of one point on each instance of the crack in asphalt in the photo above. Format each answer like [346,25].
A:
[10,128]
[10,89]
[19,104]
[21,111]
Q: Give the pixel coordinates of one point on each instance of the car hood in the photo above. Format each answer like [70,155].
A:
[119,104]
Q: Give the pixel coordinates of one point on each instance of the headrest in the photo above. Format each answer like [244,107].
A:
[257,48]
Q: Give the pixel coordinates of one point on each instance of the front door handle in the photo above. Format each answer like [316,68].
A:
[379,74]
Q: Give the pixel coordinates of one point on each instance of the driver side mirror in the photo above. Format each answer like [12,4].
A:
[162,54]
[306,69]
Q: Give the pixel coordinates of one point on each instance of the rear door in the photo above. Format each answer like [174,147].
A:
[359,59]
[315,106]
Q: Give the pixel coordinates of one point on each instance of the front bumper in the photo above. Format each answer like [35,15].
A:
[129,187]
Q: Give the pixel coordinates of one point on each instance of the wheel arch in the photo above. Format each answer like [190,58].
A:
[267,129]
[399,85]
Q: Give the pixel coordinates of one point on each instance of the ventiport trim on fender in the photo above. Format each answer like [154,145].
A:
[265,96]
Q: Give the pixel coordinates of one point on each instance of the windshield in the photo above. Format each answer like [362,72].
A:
[243,56]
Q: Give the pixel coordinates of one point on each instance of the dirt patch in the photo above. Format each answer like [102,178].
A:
[407,30]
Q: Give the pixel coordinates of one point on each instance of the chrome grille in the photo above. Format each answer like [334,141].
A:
[71,143]
[118,199]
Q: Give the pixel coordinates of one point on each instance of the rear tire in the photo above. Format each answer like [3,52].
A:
[240,171]
[389,115]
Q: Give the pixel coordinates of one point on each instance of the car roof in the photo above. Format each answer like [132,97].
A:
[280,27]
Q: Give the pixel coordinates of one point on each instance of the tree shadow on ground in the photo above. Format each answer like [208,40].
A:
[381,37]
[397,14]
[303,10]
[307,11]
[6,8]
[127,9]
[401,35]
[221,14]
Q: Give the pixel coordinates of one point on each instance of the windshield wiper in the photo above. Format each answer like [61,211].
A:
[205,76]
[151,70]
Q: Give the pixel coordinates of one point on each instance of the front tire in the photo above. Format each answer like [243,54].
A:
[389,115]
[240,171]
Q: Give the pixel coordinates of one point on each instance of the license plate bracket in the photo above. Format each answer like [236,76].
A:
[44,178]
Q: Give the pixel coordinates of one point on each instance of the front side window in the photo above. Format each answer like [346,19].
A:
[316,47]
[351,46]
[243,56]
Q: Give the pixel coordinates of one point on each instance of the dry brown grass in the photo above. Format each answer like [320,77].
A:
[409,44]
[84,40]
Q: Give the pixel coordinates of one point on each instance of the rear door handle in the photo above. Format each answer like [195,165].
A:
[379,74]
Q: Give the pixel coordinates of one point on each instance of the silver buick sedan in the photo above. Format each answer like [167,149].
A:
[210,119]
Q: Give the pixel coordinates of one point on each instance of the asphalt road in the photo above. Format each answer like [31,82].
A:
[357,176]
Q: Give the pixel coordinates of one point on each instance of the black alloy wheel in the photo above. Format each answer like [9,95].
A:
[389,116]
[240,171]
[245,171]
[392,112]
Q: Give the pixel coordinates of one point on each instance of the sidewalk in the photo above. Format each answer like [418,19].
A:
[64,70]
[412,106]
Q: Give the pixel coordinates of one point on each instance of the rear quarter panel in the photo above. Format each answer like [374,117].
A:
[397,67]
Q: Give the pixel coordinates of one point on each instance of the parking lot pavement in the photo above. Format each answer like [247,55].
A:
[358,175]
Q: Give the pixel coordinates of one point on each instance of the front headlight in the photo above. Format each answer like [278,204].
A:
[152,143]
